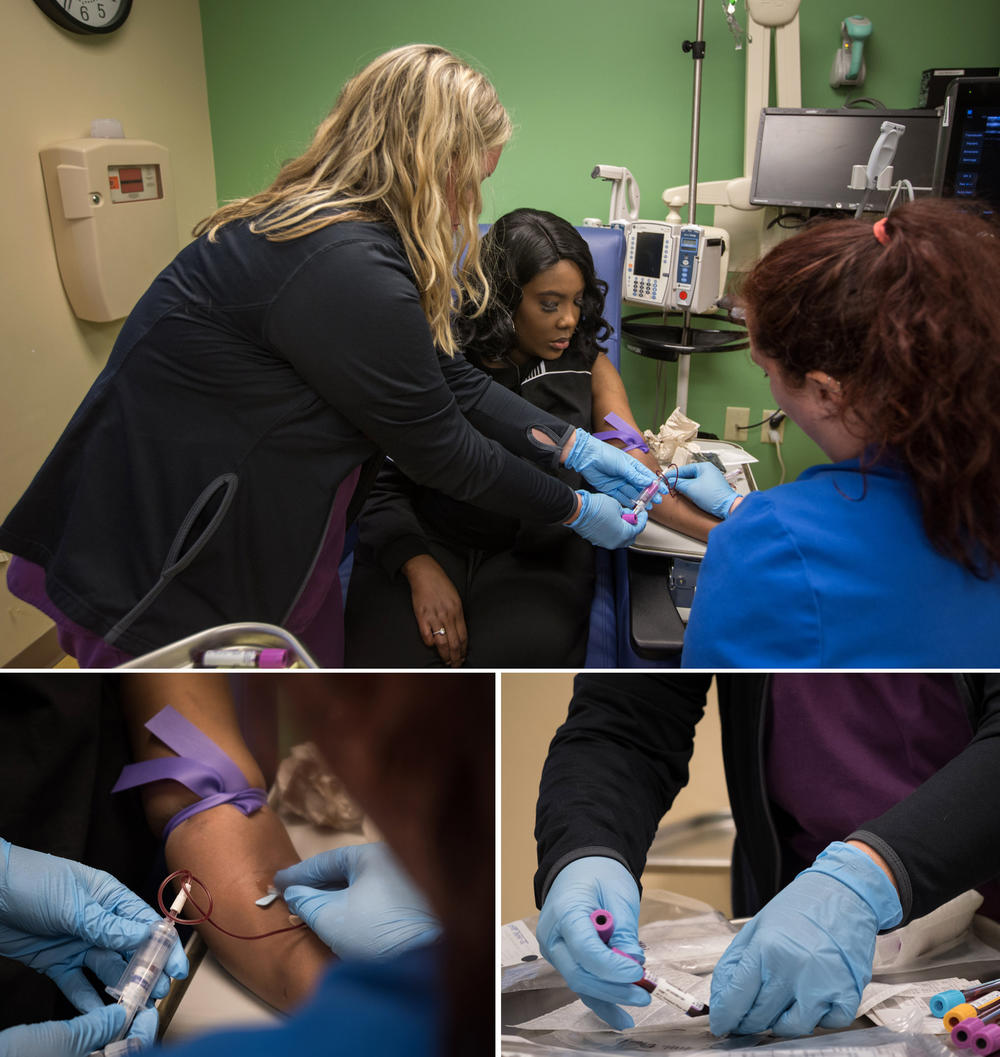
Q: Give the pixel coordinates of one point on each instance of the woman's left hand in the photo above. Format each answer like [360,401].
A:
[437,607]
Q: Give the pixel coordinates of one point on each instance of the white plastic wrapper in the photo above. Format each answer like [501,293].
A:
[672,443]
[306,788]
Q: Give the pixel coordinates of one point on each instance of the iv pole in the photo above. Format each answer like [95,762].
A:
[697,49]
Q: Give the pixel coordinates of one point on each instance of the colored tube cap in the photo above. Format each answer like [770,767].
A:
[963,1032]
[272,657]
[945,1000]
[958,1013]
[986,1040]
[604,923]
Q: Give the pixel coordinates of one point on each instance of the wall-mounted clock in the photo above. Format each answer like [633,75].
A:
[87,16]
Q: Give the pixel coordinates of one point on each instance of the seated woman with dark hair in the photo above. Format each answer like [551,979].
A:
[438,581]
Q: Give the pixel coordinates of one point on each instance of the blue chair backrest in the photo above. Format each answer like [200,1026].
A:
[607,247]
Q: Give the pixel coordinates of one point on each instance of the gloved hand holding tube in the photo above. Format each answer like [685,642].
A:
[600,521]
[59,916]
[603,978]
[610,470]
[804,959]
[359,902]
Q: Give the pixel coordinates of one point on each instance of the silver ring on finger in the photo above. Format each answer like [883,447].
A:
[440,631]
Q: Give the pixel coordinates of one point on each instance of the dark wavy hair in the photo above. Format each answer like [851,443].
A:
[516,248]
[911,331]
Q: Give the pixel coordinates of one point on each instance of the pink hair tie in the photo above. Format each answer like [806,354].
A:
[878,230]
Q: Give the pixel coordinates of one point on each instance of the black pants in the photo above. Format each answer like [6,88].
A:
[523,608]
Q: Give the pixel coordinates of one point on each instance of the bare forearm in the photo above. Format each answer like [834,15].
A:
[675,511]
[236,857]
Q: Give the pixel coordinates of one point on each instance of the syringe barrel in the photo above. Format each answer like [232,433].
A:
[136,985]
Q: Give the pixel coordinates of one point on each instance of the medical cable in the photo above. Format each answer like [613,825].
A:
[604,924]
[775,437]
[774,420]
[188,879]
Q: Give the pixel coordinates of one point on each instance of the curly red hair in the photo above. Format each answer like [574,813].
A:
[910,328]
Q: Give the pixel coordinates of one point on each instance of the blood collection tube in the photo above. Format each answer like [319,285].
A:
[632,516]
[986,1004]
[986,1039]
[604,923]
[962,1033]
[244,657]
[945,1000]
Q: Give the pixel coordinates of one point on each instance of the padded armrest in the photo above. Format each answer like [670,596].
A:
[656,631]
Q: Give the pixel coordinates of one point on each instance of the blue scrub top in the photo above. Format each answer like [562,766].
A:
[835,571]
[381,1008]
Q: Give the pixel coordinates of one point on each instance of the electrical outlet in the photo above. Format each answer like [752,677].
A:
[765,430]
[736,416]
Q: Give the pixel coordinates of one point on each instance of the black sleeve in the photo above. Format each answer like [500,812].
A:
[350,321]
[504,415]
[944,838]
[388,525]
[614,768]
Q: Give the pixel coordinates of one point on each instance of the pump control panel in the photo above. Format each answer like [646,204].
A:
[673,266]
[648,262]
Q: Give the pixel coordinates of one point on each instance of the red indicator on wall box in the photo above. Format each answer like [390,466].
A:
[131,180]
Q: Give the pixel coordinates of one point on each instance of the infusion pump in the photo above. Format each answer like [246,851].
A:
[675,267]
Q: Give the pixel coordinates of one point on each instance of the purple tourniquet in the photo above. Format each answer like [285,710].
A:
[622,431]
[200,765]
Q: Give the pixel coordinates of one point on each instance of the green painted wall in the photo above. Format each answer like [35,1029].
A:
[585,83]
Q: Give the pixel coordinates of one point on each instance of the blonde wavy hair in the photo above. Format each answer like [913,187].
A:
[405,142]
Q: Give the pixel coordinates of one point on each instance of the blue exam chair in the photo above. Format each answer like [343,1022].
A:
[609,644]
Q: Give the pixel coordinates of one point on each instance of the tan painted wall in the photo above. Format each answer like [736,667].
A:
[151,76]
[532,707]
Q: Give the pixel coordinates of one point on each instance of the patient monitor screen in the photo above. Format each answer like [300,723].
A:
[804,157]
[648,254]
[969,156]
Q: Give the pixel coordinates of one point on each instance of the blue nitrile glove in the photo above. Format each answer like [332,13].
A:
[568,939]
[609,469]
[58,916]
[359,902]
[600,521]
[706,486]
[80,1036]
[806,957]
